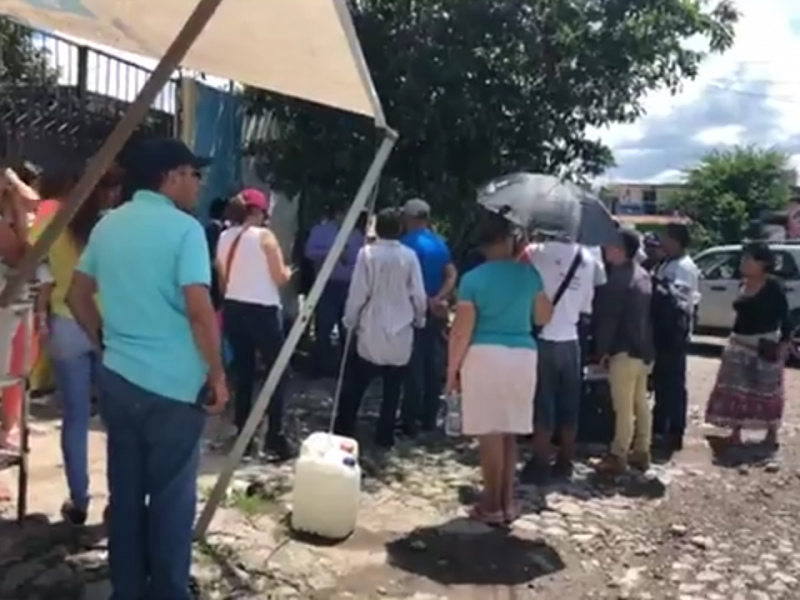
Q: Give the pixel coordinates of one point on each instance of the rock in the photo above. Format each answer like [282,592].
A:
[582,538]
[709,576]
[570,509]
[750,569]
[556,531]
[678,530]
[785,578]
[691,588]
[702,542]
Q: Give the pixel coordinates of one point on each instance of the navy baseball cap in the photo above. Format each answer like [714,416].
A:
[163,154]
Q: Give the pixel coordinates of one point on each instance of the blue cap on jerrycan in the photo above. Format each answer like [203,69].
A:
[349,461]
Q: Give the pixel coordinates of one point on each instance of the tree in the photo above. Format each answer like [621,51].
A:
[729,189]
[480,88]
[22,61]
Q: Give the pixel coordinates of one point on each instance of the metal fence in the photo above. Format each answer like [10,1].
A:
[64,113]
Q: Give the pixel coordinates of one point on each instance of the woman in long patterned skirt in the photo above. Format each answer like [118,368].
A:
[749,393]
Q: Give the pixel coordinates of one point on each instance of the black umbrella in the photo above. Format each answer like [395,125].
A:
[547,204]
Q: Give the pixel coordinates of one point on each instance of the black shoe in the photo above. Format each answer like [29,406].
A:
[73,515]
[563,469]
[384,441]
[428,426]
[408,429]
[535,473]
[281,448]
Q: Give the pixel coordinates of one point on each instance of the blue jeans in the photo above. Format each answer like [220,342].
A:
[329,314]
[74,362]
[559,386]
[153,447]
[425,375]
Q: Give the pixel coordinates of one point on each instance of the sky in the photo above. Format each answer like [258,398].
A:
[749,95]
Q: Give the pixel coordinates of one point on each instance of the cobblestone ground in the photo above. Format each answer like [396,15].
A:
[704,527]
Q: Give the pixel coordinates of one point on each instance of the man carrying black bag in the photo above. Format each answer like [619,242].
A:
[675,296]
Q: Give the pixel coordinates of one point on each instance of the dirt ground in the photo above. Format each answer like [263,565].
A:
[705,526]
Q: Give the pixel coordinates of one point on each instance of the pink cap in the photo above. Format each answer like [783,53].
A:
[256,198]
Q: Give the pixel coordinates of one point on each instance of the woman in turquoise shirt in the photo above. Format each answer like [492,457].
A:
[492,360]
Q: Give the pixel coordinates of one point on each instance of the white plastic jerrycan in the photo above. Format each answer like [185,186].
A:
[327,486]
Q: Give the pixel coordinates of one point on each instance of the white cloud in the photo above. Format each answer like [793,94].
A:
[714,136]
[758,76]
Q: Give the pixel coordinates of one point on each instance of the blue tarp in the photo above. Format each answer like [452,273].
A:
[218,134]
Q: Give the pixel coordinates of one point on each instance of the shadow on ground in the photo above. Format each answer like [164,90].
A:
[447,556]
[741,455]
[49,560]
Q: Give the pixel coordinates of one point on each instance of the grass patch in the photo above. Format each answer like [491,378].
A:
[251,505]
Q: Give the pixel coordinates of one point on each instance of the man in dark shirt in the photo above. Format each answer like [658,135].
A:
[216,225]
[624,343]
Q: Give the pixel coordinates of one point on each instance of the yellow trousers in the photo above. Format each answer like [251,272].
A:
[633,419]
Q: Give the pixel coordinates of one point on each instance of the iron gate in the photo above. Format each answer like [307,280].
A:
[64,115]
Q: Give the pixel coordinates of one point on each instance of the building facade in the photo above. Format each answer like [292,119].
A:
[640,198]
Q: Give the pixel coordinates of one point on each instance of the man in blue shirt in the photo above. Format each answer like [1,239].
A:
[426,369]
[148,264]
[330,308]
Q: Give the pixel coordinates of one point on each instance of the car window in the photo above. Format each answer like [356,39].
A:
[786,266]
[719,265]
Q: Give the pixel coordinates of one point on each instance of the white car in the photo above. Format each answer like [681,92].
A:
[720,280]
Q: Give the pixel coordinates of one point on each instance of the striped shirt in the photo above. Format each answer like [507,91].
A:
[386,301]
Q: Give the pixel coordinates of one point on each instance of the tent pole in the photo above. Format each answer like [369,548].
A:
[282,361]
[100,163]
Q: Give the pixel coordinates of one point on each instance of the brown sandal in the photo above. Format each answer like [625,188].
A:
[476,513]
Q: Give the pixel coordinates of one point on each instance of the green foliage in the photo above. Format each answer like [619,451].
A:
[479,88]
[729,189]
[21,60]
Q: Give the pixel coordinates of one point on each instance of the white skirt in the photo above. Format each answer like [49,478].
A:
[497,388]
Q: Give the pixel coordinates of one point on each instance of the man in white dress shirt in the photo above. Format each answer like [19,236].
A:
[385,302]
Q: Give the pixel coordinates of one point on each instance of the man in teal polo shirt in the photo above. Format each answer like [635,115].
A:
[148,263]
[426,370]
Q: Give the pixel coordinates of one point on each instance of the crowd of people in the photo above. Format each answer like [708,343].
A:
[135,302]
[528,318]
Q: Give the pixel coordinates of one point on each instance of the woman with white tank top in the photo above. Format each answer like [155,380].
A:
[252,270]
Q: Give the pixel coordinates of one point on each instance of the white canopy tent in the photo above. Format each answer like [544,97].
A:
[302,48]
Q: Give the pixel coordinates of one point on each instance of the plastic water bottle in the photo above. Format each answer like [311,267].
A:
[452,415]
